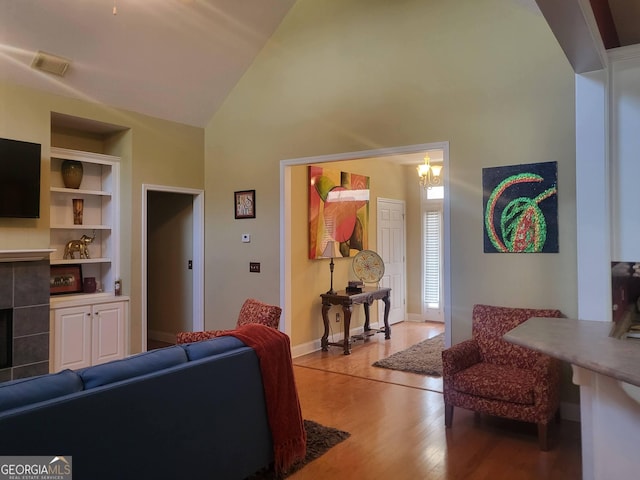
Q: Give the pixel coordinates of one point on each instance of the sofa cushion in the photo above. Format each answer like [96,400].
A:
[497,382]
[214,346]
[134,366]
[38,389]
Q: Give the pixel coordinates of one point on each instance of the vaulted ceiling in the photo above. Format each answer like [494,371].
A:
[173,59]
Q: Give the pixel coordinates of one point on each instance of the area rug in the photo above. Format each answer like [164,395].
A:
[319,440]
[424,358]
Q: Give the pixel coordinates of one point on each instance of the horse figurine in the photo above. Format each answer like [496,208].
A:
[80,246]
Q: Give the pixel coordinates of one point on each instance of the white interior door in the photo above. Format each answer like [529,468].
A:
[391,247]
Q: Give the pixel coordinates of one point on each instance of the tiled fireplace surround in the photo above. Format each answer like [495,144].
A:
[24,289]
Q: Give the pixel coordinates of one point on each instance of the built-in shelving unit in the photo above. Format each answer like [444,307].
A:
[99,191]
[87,328]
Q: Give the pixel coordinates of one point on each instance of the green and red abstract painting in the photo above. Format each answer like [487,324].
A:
[338,211]
[521,208]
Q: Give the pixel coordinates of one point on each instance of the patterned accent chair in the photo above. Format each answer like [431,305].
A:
[252,311]
[489,375]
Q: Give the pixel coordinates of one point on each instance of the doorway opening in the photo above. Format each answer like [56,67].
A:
[172,262]
[411,154]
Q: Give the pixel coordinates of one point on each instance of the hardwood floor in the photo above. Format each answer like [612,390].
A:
[396,421]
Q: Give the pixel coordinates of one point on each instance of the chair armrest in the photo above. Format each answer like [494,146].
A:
[545,365]
[547,371]
[460,357]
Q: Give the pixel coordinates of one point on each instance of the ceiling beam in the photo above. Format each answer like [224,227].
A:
[606,25]
[574,26]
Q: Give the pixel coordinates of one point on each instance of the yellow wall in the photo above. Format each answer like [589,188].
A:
[350,75]
[310,278]
[20,119]
[153,151]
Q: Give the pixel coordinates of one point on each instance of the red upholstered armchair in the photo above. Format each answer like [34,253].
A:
[489,375]
[252,311]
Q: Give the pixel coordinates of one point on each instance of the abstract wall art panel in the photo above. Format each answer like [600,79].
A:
[338,211]
[521,208]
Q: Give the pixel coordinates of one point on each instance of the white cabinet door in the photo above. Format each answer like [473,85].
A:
[72,330]
[108,332]
[85,335]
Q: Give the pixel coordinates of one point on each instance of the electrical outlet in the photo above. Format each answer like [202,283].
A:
[337,316]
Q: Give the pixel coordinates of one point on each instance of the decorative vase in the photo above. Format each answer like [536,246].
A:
[72,172]
[89,285]
[78,208]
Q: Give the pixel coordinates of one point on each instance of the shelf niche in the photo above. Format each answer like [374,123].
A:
[99,191]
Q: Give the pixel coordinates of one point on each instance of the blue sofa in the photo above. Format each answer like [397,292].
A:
[193,411]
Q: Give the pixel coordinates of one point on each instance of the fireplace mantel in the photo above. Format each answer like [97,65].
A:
[27,255]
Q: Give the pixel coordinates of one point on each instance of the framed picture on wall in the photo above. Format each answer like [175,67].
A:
[520,204]
[65,279]
[338,211]
[245,204]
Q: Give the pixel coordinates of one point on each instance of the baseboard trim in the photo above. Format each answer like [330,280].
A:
[166,337]
[418,317]
[570,411]
[314,346]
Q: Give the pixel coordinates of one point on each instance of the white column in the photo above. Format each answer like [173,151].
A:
[593,242]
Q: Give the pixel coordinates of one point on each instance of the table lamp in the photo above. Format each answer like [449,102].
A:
[331,250]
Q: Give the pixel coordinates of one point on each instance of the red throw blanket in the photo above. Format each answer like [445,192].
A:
[283,405]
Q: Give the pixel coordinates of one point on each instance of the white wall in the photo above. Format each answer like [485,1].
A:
[625,143]
[608,227]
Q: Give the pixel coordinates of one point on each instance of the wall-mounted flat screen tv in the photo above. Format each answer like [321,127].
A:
[19,179]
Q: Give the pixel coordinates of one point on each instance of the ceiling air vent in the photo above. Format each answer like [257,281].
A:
[50,63]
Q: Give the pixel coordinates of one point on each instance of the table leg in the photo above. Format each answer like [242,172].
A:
[324,342]
[346,309]
[366,317]
[387,306]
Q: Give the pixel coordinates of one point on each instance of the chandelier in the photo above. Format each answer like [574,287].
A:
[429,174]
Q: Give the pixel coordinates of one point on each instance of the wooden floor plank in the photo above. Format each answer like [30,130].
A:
[364,353]
[396,421]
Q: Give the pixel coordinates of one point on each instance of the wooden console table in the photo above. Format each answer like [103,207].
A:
[345,299]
